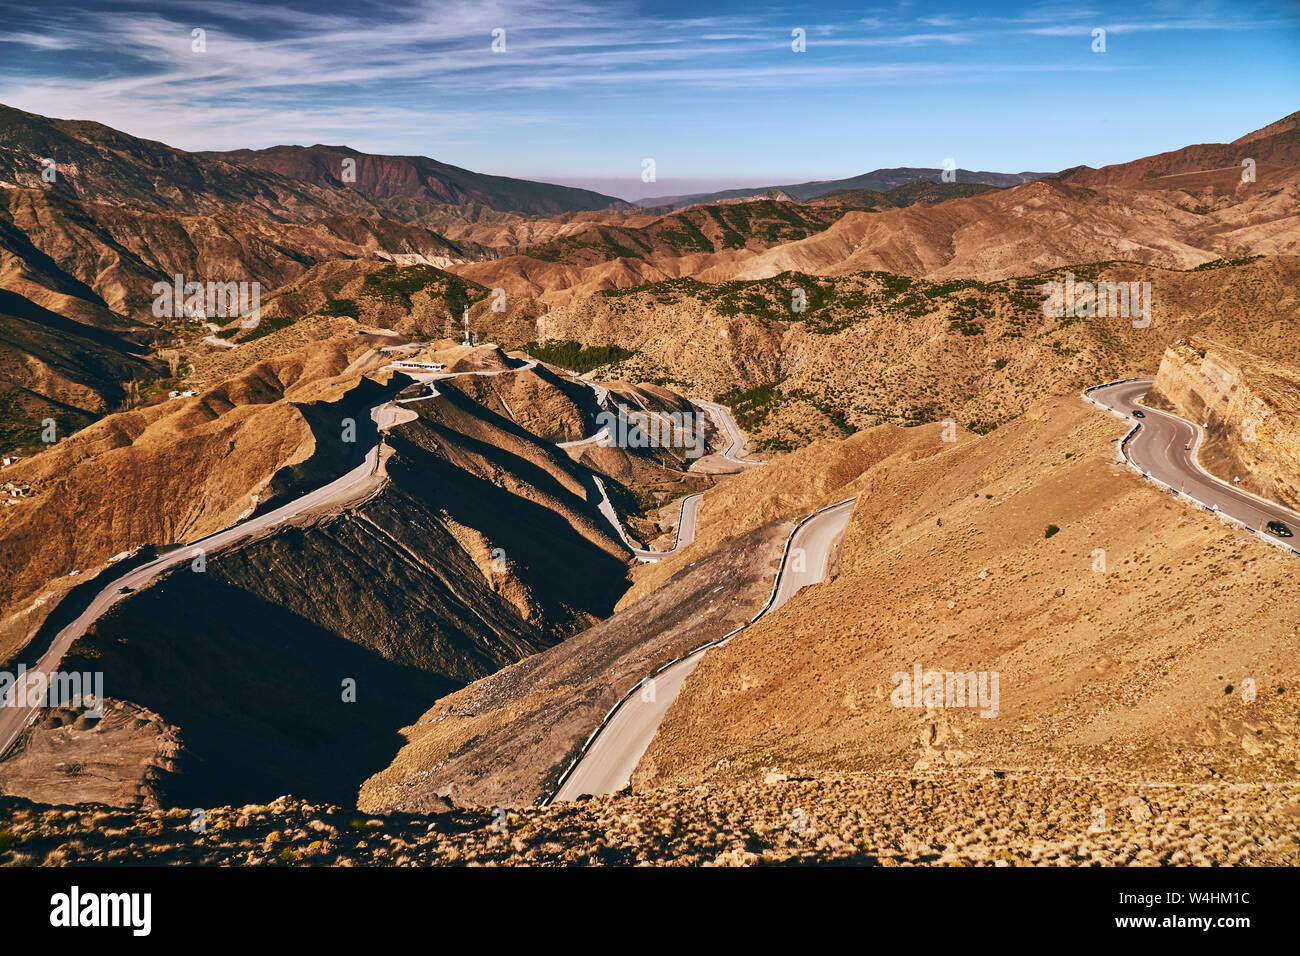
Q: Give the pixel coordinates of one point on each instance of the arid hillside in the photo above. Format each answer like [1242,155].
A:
[90,245]
[1132,637]
[506,739]
[870,348]
[120,252]
[878,180]
[454,561]
[177,471]
[1274,152]
[413,299]
[448,630]
[413,178]
[1121,651]
[57,368]
[286,183]
[996,234]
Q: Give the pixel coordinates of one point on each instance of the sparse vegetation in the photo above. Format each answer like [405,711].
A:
[576,356]
[751,406]
[338,307]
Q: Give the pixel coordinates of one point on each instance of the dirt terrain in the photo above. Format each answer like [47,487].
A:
[911,819]
[1131,634]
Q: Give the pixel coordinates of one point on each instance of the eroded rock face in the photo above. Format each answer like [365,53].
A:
[1251,409]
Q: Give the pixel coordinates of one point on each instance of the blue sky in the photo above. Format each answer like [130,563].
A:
[585,90]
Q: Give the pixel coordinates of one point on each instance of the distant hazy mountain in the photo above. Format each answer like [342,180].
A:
[97,163]
[418,177]
[879,180]
[923,192]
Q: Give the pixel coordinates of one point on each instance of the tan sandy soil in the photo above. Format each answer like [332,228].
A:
[1173,659]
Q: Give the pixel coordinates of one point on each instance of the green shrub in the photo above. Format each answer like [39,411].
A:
[338,307]
[575,355]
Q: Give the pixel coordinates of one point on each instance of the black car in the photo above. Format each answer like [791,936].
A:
[1138,413]
[1278,529]
[125,590]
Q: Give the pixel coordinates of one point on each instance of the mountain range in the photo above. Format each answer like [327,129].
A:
[880,338]
[878,180]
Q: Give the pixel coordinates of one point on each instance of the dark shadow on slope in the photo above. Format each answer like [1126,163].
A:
[13,304]
[545,552]
[257,692]
[334,456]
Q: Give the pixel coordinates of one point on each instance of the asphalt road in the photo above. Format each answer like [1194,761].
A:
[13,718]
[724,418]
[1159,449]
[607,765]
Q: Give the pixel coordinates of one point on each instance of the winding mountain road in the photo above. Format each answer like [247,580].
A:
[1159,449]
[610,756]
[691,503]
[722,414]
[14,718]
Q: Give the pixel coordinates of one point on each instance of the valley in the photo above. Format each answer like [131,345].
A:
[519,523]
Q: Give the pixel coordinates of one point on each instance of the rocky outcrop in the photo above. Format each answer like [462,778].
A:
[1251,409]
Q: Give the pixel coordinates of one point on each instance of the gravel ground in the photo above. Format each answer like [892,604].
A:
[946,818]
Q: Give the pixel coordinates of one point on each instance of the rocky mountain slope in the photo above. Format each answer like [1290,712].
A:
[1274,151]
[120,253]
[99,164]
[1251,407]
[447,571]
[879,180]
[414,177]
[454,561]
[126,213]
[991,235]
[177,471]
[506,739]
[875,347]
[55,368]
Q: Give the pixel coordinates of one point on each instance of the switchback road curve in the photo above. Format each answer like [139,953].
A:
[1165,448]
